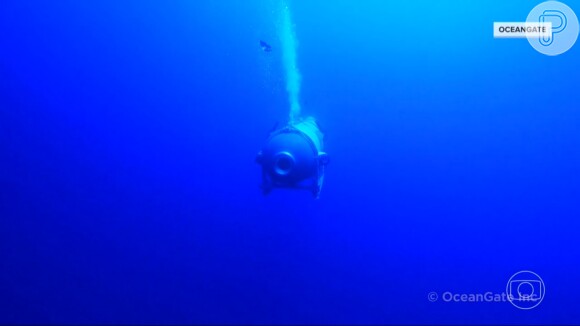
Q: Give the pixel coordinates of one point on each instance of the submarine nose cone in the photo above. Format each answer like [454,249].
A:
[289,158]
[292,157]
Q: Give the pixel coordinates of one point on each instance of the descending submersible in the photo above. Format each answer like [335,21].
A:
[293,157]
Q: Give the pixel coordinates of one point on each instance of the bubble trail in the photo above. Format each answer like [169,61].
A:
[289,45]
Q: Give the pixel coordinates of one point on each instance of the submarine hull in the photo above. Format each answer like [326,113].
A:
[293,157]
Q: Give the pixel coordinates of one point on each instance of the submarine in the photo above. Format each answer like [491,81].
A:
[293,157]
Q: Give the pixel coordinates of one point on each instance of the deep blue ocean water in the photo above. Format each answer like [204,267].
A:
[130,194]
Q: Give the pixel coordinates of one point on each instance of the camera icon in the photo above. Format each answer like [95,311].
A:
[525,290]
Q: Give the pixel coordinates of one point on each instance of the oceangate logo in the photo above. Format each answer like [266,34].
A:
[551,28]
[524,290]
[522,30]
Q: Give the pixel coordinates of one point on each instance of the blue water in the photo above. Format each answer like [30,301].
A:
[129,191]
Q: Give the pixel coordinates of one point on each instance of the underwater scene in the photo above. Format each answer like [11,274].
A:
[289,162]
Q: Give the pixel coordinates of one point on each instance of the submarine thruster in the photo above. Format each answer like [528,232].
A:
[293,157]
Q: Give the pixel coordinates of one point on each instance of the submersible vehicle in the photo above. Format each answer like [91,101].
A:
[293,157]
